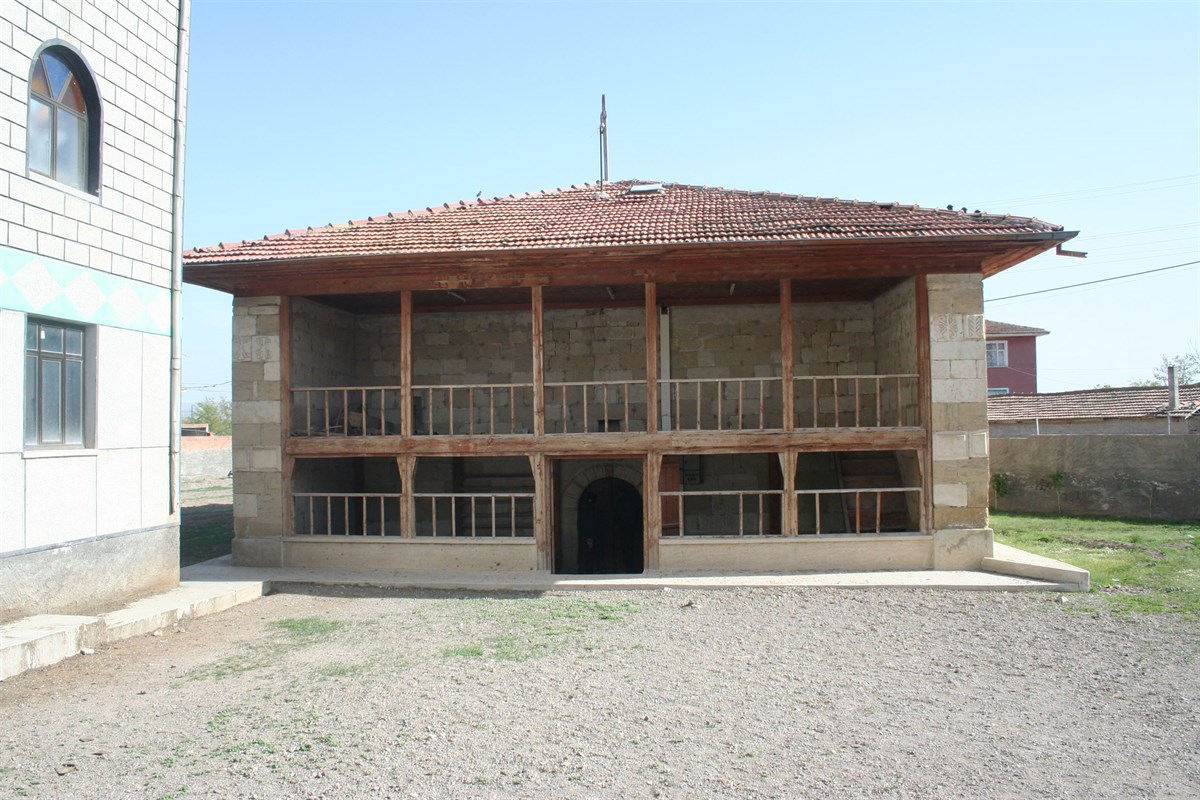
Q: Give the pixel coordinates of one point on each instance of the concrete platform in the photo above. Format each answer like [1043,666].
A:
[217,585]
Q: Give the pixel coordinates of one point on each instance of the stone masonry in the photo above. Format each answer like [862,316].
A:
[257,431]
[958,375]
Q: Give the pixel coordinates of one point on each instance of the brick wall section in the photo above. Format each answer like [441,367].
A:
[832,338]
[257,423]
[958,373]
[130,48]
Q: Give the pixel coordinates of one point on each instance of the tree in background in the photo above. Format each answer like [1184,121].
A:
[216,413]
[1187,370]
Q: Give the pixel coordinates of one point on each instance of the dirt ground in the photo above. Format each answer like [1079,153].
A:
[750,693]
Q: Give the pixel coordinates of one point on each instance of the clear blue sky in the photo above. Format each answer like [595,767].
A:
[1081,114]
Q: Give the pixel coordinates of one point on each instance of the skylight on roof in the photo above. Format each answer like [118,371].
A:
[645,188]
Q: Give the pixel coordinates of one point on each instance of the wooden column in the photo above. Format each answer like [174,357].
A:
[407,465]
[788,505]
[652,411]
[652,508]
[785,353]
[406,382]
[542,505]
[924,401]
[539,366]
[287,463]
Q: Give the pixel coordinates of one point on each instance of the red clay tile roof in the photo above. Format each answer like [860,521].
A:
[998,329]
[1126,402]
[588,216]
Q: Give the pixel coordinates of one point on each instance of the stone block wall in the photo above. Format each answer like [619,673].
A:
[958,373]
[257,431]
[895,314]
[323,344]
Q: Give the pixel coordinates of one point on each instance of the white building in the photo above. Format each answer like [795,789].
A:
[92,99]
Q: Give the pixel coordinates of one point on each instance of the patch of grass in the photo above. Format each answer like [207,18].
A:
[465,651]
[205,532]
[1149,567]
[340,670]
[308,627]
[302,632]
[531,627]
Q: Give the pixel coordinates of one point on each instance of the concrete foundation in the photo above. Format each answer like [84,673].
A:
[84,575]
[500,555]
[800,554]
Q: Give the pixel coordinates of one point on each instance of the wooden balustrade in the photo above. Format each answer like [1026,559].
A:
[855,512]
[474,515]
[346,514]
[595,406]
[691,404]
[855,401]
[765,513]
[723,404]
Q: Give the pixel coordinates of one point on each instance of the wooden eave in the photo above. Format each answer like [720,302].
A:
[670,263]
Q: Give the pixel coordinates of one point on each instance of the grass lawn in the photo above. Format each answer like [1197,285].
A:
[1136,566]
[204,532]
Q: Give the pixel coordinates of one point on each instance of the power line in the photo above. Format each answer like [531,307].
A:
[1086,191]
[1090,283]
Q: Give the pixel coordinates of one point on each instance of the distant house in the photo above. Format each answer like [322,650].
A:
[1011,358]
[1130,409]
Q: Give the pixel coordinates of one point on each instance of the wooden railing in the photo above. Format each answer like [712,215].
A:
[855,401]
[760,508]
[473,409]
[474,515]
[862,510]
[595,406]
[346,411]
[346,514]
[723,404]
[690,404]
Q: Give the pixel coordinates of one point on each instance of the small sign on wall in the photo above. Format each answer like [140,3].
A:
[691,470]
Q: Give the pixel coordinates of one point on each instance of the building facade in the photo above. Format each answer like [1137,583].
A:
[615,379]
[92,99]
[1011,358]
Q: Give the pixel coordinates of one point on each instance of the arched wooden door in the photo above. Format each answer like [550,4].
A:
[609,521]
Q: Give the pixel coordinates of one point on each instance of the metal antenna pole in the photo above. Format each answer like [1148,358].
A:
[603,142]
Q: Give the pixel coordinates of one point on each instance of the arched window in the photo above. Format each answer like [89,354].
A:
[64,120]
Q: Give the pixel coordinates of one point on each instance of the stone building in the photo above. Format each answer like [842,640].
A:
[617,378]
[91,117]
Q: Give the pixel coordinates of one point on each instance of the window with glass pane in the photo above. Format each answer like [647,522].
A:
[54,384]
[997,354]
[58,143]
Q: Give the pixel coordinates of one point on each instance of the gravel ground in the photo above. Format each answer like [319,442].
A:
[753,693]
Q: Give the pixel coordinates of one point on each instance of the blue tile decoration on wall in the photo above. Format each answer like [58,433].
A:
[48,287]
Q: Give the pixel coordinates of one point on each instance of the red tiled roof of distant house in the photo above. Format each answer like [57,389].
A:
[618,215]
[995,329]
[1123,403]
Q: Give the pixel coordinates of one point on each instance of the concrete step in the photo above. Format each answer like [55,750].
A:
[46,639]
[1007,560]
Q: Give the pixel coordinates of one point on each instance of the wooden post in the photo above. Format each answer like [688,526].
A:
[406,381]
[652,358]
[539,465]
[924,401]
[287,463]
[652,508]
[788,505]
[785,354]
[539,366]
[407,464]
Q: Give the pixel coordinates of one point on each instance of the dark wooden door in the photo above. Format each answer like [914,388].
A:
[609,522]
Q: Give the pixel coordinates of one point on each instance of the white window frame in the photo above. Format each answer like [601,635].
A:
[34,437]
[1000,350]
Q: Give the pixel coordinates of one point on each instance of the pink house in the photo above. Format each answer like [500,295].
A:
[1011,358]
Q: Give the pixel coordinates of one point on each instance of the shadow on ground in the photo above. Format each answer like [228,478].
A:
[205,532]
